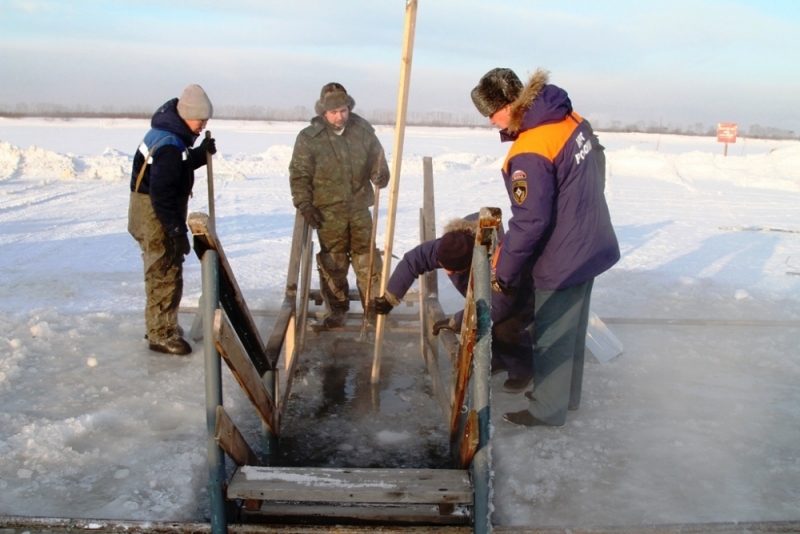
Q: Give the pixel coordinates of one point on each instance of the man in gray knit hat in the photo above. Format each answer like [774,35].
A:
[161,183]
[335,163]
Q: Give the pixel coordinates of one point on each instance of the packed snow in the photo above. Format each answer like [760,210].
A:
[698,420]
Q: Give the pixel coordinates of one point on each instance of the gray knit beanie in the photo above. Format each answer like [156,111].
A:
[497,88]
[193,104]
[333,96]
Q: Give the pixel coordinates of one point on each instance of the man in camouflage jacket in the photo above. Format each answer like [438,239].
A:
[336,161]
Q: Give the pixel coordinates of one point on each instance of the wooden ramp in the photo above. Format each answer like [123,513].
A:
[418,496]
[348,495]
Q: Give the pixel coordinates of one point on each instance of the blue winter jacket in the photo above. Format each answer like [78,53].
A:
[169,176]
[555,176]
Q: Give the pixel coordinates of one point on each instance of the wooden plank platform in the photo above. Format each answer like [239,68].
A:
[329,514]
[352,485]
[355,495]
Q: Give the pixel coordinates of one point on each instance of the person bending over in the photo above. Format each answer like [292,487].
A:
[512,315]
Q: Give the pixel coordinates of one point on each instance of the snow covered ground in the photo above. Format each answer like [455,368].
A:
[692,423]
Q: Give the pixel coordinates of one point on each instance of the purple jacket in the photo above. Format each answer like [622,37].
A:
[555,176]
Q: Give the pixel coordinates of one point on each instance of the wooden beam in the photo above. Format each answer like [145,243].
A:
[289,305]
[231,440]
[378,516]
[287,388]
[352,485]
[232,351]
[275,342]
[291,334]
[469,441]
[429,219]
[439,390]
[306,259]
[464,362]
[255,313]
[230,295]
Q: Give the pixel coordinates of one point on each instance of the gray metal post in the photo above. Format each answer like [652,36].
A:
[216,458]
[482,462]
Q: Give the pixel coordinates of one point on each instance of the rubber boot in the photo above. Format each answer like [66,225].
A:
[174,344]
[334,287]
[361,267]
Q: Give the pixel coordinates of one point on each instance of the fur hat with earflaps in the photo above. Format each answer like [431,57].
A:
[332,96]
[497,88]
[193,104]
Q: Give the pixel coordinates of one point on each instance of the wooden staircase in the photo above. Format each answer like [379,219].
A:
[358,495]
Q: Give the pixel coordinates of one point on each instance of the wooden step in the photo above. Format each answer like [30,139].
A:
[438,496]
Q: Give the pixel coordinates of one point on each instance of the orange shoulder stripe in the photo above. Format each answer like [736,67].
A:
[546,140]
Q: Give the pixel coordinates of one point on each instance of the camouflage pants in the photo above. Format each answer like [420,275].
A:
[163,269]
[344,238]
[345,230]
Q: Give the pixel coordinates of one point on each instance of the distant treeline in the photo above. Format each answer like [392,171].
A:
[754,131]
[375,116]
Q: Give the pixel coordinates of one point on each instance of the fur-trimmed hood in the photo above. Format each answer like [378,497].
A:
[461,225]
[538,103]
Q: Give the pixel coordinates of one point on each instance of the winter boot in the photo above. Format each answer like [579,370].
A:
[334,287]
[172,345]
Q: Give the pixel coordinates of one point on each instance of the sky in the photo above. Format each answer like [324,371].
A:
[682,62]
[694,422]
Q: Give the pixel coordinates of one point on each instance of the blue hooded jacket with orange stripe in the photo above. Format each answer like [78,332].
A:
[555,177]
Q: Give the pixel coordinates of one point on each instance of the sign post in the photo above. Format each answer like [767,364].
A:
[726,133]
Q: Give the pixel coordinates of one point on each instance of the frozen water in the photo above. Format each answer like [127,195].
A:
[691,423]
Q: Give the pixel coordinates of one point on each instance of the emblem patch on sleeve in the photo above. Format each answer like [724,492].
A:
[519,189]
[518,175]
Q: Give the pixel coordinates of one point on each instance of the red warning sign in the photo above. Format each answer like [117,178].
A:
[726,132]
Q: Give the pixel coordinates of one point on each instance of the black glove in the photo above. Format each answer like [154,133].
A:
[443,324]
[311,214]
[497,285]
[381,181]
[181,243]
[383,306]
[209,145]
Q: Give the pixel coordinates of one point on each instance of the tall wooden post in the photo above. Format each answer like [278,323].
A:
[394,184]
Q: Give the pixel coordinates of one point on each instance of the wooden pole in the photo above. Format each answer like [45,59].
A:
[368,291]
[210,174]
[397,158]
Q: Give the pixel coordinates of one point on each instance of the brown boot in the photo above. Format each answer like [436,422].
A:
[172,345]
